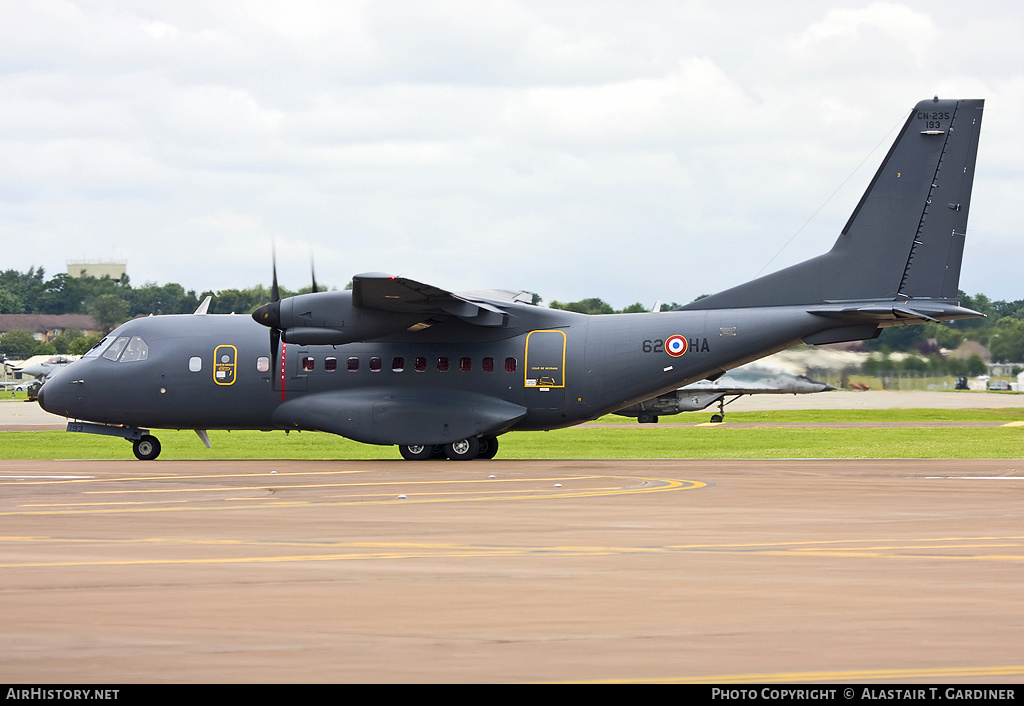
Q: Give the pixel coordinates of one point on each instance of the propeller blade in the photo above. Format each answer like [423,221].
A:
[312,274]
[275,293]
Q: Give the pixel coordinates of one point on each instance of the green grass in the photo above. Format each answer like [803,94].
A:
[598,441]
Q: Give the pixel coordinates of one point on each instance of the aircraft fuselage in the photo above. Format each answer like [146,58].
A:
[561,368]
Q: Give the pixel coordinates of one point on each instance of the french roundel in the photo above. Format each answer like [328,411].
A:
[675,346]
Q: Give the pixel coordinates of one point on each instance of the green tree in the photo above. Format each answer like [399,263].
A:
[62,342]
[10,303]
[81,346]
[1006,340]
[976,366]
[593,305]
[17,344]
[109,310]
[637,308]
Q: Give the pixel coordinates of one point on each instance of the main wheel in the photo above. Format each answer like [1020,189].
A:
[146,448]
[647,418]
[488,447]
[465,450]
[416,452]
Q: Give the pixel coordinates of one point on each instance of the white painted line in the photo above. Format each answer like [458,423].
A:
[49,477]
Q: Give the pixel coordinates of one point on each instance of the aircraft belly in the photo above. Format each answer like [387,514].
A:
[400,416]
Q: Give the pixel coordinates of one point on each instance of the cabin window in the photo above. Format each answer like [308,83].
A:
[374,364]
[195,364]
[421,364]
[442,364]
[487,364]
[353,364]
[331,364]
[465,364]
[397,364]
[262,364]
[510,364]
[307,363]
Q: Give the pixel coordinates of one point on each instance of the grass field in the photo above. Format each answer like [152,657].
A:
[598,440]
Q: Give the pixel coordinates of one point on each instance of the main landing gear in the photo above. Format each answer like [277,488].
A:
[720,417]
[465,450]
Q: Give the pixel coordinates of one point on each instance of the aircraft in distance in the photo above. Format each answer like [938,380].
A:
[745,380]
[395,361]
[43,368]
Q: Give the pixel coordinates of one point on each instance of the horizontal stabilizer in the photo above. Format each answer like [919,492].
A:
[908,311]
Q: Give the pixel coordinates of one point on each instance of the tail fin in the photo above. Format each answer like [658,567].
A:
[905,239]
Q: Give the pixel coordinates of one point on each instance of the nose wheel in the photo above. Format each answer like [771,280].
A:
[146,448]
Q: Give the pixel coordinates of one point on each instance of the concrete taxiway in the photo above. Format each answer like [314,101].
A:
[721,571]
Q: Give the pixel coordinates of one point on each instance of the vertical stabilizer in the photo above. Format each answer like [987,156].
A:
[905,239]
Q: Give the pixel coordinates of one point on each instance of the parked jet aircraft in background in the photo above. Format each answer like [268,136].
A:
[41,368]
[745,380]
[396,361]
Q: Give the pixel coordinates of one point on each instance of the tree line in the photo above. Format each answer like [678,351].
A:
[110,302]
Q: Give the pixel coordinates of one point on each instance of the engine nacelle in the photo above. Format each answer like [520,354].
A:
[330,318]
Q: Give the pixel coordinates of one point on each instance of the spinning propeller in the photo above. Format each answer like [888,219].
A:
[270,314]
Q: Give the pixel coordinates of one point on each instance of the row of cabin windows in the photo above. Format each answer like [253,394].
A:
[398,364]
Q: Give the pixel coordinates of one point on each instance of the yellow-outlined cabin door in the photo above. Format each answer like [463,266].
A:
[225,363]
[544,370]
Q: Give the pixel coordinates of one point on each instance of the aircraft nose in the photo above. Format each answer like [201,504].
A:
[39,398]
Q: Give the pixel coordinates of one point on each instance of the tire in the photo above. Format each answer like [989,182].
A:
[465,450]
[146,448]
[416,452]
[488,447]
[717,418]
[647,418]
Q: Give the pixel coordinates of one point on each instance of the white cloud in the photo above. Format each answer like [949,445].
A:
[635,152]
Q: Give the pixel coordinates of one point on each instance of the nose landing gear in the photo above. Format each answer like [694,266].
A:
[146,448]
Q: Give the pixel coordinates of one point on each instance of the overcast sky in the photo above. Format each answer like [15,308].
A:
[634,151]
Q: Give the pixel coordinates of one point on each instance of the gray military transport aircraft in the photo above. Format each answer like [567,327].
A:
[396,361]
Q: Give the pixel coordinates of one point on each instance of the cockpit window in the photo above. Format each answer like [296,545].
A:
[95,351]
[126,350]
[115,348]
[137,349]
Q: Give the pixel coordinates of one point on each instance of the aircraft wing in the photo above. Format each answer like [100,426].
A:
[407,296]
[398,415]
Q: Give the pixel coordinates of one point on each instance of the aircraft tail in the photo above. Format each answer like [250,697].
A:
[905,239]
